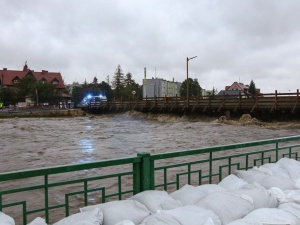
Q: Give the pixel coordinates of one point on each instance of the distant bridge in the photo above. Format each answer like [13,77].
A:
[260,105]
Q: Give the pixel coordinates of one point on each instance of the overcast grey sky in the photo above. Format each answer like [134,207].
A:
[234,40]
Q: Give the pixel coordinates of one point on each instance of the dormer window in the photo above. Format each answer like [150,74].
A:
[55,81]
[16,80]
[43,80]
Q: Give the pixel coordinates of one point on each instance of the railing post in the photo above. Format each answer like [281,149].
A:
[46,198]
[1,203]
[146,172]
[276,98]
[297,96]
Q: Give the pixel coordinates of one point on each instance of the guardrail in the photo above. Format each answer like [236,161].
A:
[59,191]
[241,103]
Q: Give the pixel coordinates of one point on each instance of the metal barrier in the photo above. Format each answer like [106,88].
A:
[59,191]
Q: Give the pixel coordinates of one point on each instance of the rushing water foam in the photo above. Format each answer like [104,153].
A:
[39,142]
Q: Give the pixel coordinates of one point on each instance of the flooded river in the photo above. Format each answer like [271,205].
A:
[28,143]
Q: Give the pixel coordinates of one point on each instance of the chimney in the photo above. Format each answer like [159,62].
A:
[145,73]
[25,66]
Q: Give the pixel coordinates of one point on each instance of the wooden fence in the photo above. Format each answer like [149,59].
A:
[274,103]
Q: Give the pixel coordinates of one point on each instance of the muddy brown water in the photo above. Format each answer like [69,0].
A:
[29,143]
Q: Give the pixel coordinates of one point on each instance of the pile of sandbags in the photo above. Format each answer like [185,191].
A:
[265,195]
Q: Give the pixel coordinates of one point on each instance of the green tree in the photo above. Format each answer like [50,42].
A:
[194,88]
[47,93]
[252,88]
[128,80]
[129,87]
[36,90]
[25,88]
[95,81]
[8,96]
[118,82]
[77,94]
[118,79]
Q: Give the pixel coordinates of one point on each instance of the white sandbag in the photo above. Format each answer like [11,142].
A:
[293,171]
[251,175]
[194,215]
[188,195]
[288,161]
[160,218]
[156,200]
[276,169]
[232,182]
[38,221]
[297,183]
[291,196]
[278,193]
[292,166]
[227,206]
[276,181]
[210,188]
[125,222]
[245,222]
[84,223]
[117,211]
[186,215]
[262,198]
[271,216]
[94,216]
[6,220]
[286,196]
[291,207]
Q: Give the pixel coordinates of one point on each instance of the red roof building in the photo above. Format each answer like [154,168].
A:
[237,86]
[12,77]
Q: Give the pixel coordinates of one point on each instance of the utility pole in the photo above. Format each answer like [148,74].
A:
[187,78]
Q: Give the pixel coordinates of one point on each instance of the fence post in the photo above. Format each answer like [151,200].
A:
[146,172]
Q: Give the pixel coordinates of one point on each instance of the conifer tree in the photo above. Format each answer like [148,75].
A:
[252,88]
[118,82]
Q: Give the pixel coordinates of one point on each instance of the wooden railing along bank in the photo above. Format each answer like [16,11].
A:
[259,104]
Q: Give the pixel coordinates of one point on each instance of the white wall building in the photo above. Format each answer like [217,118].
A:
[158,87]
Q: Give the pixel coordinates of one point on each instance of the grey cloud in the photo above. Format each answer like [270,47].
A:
[233,39]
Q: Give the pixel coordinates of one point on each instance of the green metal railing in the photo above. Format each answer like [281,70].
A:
[66,188]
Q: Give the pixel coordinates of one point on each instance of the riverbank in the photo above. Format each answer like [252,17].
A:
[27,113]
[244,120]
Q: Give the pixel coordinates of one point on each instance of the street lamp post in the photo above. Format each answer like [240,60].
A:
[187,78]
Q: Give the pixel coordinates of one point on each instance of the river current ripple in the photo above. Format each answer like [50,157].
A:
[28,143]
